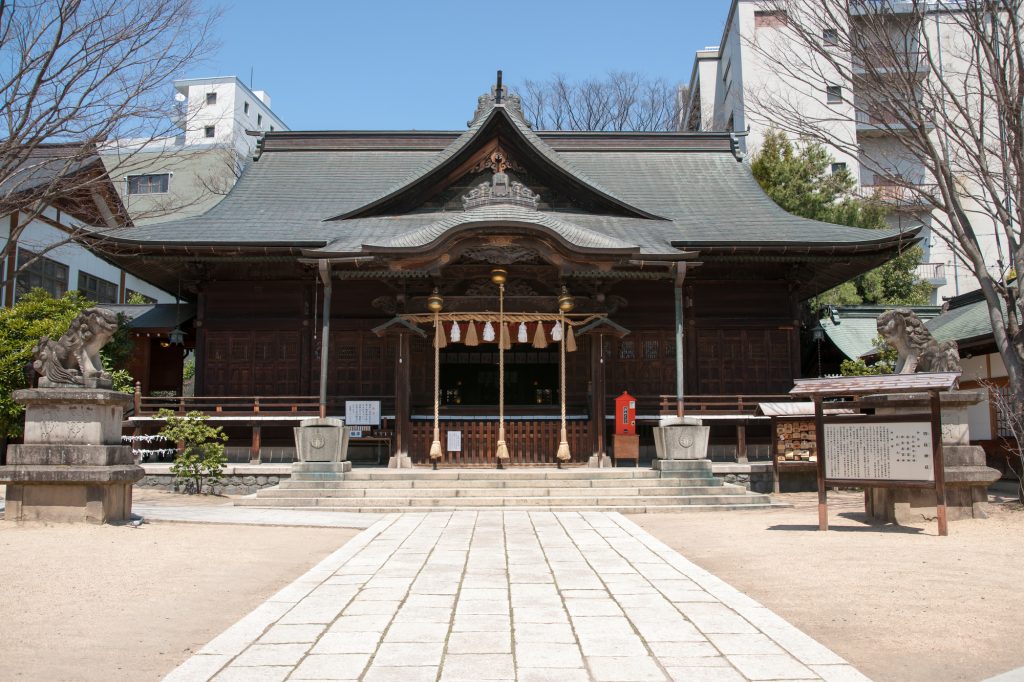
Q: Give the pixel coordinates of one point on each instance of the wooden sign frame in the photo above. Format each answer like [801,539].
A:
[934,417]
[932,383]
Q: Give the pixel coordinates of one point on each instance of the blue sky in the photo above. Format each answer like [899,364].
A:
[387,64]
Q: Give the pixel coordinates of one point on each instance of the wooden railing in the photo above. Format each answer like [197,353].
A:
[738,405]
[530,442]
[302,405]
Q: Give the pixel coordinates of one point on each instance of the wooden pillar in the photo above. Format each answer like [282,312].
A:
[677,291]
[402,424]
[819,437]
[938,463]
[598,423]
[741,442]
[200,385]
[254,450]
[325,334]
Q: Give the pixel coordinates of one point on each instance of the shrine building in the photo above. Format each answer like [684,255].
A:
[382,266]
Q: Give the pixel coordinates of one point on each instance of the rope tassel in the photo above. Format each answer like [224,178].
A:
[570,340]
[563,454]
[471,338]
[506,339]
[540,339]
[439,339]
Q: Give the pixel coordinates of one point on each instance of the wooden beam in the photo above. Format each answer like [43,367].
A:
[325,333]
[598,422]
[402,424]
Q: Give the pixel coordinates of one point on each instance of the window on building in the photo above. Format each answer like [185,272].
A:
[834,94]
[770,18]
[211,131]
[211,98]
[837,167]
[245,108]
[830,36]
[96,289]
[42,273]
[137,298]
[156,183]
[259,119]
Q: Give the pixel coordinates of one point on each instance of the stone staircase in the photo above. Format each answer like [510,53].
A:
[689,486]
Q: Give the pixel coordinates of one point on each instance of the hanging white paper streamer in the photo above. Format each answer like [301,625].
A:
[556,332]
[488,332]
[522,336]
[456,333]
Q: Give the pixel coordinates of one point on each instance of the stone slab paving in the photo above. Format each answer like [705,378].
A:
[531,596]
[254,516]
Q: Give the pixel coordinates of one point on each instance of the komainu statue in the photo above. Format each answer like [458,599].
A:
[916,348]
[74,359]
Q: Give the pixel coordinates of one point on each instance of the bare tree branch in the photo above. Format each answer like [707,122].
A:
[76,75]
[941,81]
[620,101]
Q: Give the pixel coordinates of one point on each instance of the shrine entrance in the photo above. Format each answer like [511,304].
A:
[469,378]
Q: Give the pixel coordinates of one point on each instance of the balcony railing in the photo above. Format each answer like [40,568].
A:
[902,195]
[886,60]
[934,273]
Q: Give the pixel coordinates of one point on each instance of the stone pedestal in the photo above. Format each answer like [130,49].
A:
[681,438]
[600,461]
[400,462]
[967,476]
[72,467]
[321,439]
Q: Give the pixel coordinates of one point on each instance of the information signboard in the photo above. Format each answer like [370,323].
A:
[898,451]
[362,413]
[454,441]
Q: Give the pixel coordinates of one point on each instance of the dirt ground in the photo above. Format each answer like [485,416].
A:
[108,603]
[898,603]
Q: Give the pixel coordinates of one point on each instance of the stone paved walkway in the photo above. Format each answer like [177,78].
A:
[528,596]
[255,516]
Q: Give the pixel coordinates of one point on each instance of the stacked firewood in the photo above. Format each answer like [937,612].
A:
[796,441]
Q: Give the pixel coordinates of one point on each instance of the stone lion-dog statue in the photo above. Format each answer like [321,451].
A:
[916,348]
[74,358]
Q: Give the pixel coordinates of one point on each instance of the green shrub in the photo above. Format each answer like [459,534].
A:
[200,464]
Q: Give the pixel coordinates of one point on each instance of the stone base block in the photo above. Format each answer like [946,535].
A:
[69,503]
[321,440]
[599,461]
[400,462]
[64,454]
[682,441]
[967,482]
[914,505]
[70,416]
[321,467]
[698,466]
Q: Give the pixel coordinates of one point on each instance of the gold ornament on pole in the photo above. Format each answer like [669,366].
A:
[565,305]
[499,276]
[434,304]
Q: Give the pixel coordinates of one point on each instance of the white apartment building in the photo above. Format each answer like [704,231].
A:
[733,87]
[168,178]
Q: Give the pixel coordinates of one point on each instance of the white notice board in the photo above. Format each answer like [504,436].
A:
[454,441]
[362,413]
[879,452]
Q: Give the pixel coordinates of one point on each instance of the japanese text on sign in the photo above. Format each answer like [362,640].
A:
[455,441]
[362,412]
[879,452]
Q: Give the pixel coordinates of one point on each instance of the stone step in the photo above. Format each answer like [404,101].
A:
[639,507]
[292,491]
[501,502]
[525,473]
[431,484]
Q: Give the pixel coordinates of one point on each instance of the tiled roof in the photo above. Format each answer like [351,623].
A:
[703,195]
[968,320]
[575,235]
